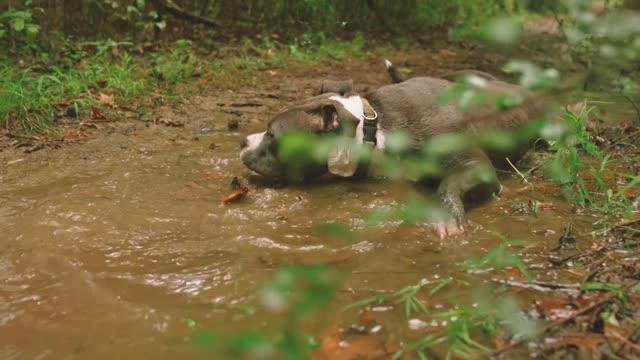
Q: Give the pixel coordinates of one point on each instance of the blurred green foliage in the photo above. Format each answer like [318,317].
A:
[45,23]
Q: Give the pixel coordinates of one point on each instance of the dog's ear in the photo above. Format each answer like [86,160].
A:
[325,116]
[339,87]
[330,118]
[327,113]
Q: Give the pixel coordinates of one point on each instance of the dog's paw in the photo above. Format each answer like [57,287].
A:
[446,229]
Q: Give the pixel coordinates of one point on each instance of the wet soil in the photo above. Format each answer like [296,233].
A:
[110,245]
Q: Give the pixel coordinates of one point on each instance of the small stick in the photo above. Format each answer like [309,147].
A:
[518,171]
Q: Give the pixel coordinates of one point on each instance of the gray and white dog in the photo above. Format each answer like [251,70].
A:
[411,106]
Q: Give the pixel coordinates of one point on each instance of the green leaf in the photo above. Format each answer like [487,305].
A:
[2,32]
[451,94]
[445,144]
[497,139]
[32,29]
[599,286]
[249,343]
[296,147]
[17,24]
[183,43]
[509,101]
[368,301]
[502,31]
[133,9]
[440,285]
[515,260]
[246,308]
[470,98]
[397,141]
[205,338]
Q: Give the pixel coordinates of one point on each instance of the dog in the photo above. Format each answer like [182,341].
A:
[412,106]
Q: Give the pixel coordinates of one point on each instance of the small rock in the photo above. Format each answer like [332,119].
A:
[416,324]
[213,146]
[72,112]
[235,183]
[233,124]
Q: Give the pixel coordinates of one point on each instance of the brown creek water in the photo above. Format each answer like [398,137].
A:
[108,247]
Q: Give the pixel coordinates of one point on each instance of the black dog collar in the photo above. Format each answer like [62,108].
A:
[369,125]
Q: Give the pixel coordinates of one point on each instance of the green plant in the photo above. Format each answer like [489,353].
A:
[19,27]
[179,64]
[294,293]
[29,96]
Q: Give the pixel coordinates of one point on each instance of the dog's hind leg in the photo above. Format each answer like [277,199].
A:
[470,176]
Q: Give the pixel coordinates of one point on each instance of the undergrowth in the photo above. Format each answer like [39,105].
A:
[34,97]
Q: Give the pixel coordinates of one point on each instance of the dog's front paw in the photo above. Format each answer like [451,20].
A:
[446,229]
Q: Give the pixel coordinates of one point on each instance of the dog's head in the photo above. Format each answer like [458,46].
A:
[325,114]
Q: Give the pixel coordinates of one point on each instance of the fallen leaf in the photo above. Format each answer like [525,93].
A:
[632,193]
[171,122]
[237,195]
[335,346]
[366,317]
[446,52]
[60,103]
[607,174]
[510,274]
[95,114]
[545,205]
[578,340]
[556,308]
[105,100]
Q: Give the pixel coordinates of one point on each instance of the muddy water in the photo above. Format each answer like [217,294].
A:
[106,250]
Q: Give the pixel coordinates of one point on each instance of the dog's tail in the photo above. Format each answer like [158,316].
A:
[394,74]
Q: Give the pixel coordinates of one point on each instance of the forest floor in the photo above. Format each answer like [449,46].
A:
[600,321]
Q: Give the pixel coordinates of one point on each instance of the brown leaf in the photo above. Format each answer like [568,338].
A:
[237,195]
[542,205]
[510,274]
[60,103]
[366,318]
[446,52]
[171,122]
[607,174]
[335,346]
[556,308]
[632,192]
[578,340]
[105,100]
[95,114]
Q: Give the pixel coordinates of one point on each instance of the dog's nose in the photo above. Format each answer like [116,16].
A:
[243,143]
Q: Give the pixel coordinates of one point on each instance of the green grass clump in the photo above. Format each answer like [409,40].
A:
[28,97]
